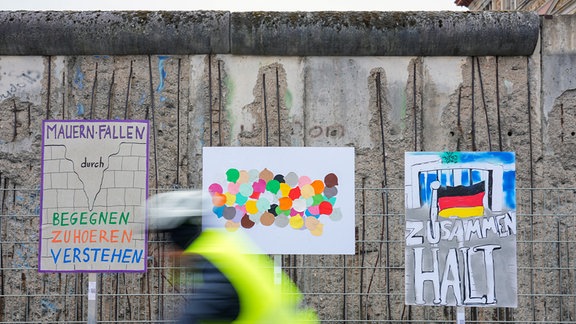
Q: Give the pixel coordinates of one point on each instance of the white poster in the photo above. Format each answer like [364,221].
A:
[288,200]
[460,229]
[94,180]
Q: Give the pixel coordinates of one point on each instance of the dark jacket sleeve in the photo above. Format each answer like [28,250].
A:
[214,299]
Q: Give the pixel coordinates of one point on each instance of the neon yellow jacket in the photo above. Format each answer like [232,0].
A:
[252,275]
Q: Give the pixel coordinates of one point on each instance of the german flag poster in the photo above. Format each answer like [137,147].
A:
[460,230]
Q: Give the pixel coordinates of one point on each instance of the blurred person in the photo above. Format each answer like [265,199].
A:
[237,284]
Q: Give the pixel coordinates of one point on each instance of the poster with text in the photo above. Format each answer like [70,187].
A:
[94,182]
[287,200]
[460,229]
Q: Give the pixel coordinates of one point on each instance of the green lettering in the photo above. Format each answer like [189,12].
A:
[73,218]
[83,218]
[113,218]
[90,218]
[64,219]
[124,218]
[103,217]
[93,218]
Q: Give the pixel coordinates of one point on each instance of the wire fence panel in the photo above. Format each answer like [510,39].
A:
[367,287]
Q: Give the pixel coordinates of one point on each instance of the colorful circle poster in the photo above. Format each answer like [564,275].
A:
[287,200]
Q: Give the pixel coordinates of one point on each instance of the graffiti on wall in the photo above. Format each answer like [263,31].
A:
[20,77]
[460,229]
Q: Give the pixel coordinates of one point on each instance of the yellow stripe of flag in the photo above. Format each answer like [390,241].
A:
[462,212]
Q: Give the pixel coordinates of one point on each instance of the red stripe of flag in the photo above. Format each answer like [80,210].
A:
[461,201]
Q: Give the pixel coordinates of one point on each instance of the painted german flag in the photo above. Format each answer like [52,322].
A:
[461,201]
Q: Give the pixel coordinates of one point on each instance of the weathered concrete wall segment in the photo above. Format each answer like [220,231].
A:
[113,33]
[266,33]
[384,34]
[198,92]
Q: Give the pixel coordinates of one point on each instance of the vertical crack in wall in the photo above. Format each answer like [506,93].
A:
[269,122]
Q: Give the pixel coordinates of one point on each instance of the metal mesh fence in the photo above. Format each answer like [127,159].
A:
[367,287]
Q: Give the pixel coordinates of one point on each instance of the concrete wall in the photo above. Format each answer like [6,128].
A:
[384,83]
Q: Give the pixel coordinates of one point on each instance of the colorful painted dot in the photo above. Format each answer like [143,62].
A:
[331,180]
[273,186]
[232,175]
[294,193]
[325,208]
[229,213]
[259,186]
[318,230]
[218,199]
[310,201]
[285,203]
[218,211]
[243,177]
[241,199]
[330,192]
[314,210]
[263,204]
[255,218]
[231,226]
[296,222]
[291,179]
[240,211]
[282,211]
[299,205]
[267,219]
[282,221]
[251,207]
[304,180]
[266,175]
[253,175]
[311,223]
[284,189]
[294,212]
[215,187]
[336,215]
[318,186]
[332,200]
[246,189]
[307,191]
[279,178]
[317,199]
[272,209]
[246,222]
[230,199]
[233,188]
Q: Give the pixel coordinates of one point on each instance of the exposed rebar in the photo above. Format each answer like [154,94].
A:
[498,105]
[128,86]
[265,109]
[93,94]
[278,108]
[484,104]
[110,94]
